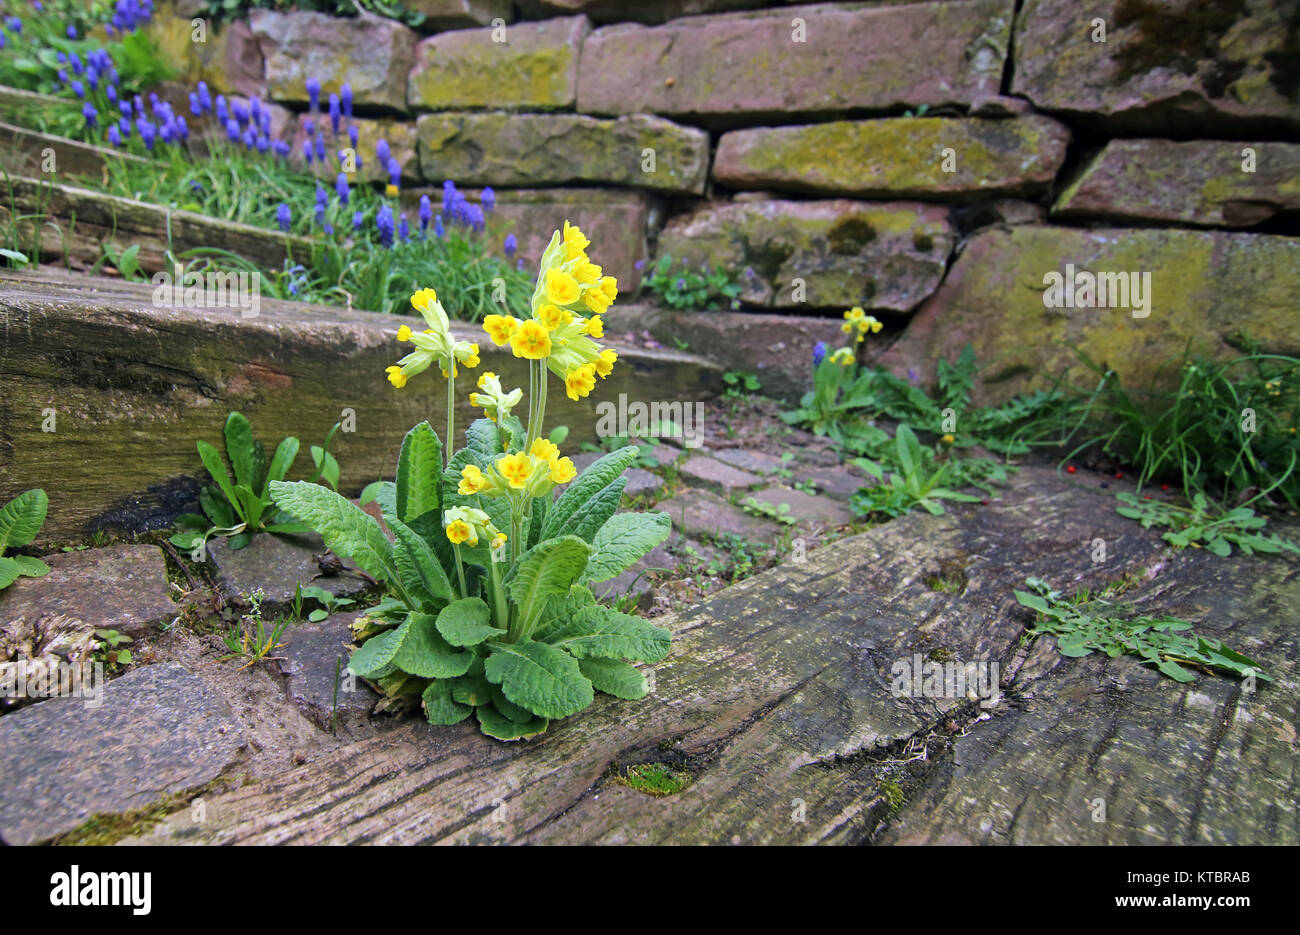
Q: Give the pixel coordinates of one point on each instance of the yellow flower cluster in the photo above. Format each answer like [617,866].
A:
[466,524]
[843,356]
[571,294]
[495,401]
[855,319]
[535,472]
[434,344]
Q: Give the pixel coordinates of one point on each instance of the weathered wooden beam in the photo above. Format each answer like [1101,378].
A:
[75,223]
[131,385]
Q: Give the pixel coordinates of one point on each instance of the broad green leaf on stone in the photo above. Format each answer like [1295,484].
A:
[466,622]
[216,467]
[9,571]
[30,567]
[239,448]
[251,505]
[548,568]
[377,653]
[22,518]
[285,454]
[439,705]
[615,677]
[587,485]
[624,539]
[421,573]
[419,469]
[347,529]
[497,725]
[383,492]
[425,653]
[599,631]
[588,518]
[538,677]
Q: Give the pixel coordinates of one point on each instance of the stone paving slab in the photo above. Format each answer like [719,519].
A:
[714,475]
[703,513]
[755,462]
[118,587]
[310,665]
[804,507]
[158,730]
[277,564]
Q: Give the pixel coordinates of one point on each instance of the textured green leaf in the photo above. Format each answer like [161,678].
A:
[497,725]
[624,539]
[30,567]
[421,573]
[419,470]
[439,705]
[377,653]
[592,515]
[508,708]
[538,677]
[587,485]
[9,571]
[550,567]
[599,631]
[347,529]
[216,509]
[425,653]
[614,677]
[559,609]
[466,622]
[240,449]
[22,518]
[483,438]
[472,690]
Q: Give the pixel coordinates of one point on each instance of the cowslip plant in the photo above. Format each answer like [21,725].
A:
[241,506]
[707,289]
[489,610]
[1163,642]
[20,520]
[1200,526]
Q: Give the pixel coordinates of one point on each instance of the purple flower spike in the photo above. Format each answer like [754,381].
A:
[511,245]
[283,217]
[341,186]
[313,94]
[346,93]
[334,113]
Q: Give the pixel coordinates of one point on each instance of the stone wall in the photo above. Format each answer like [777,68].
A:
[841,154]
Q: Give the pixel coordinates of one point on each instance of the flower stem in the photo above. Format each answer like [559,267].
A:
[460,569]
[451,421]
[499,598]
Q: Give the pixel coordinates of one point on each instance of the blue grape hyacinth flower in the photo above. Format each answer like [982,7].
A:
[283,217]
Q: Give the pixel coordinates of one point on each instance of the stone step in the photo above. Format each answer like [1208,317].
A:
[777,701]
[133,385]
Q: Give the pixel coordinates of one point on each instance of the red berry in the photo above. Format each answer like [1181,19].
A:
[1118,476]
[1069,469]
[1146,496]
[1164,486]
[985,501]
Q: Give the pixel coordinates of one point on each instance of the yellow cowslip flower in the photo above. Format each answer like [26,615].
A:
[579,383]
[562,471]
[594,298]
[843,356]
[552,316]
[604,364]
[494,400]
[586,272]
[947,439]
[459,531]
[869,323]
[575,242]
[595,327]
[434,344]
[854,314]
[500,328]
[545,449]
[390,190]
[498,541]
[532,340]
[516,469]
[561,287]
[609,286]
[472,481]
